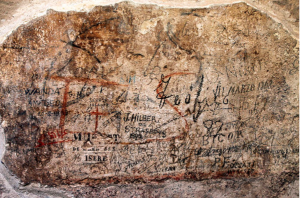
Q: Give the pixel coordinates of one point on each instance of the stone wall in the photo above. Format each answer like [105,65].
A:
[150,99]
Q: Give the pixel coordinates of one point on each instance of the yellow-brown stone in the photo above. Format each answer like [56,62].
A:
[129,93]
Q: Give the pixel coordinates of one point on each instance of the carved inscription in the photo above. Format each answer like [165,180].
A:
[130,93]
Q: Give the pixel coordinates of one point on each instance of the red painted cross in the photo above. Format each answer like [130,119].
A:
[97,113]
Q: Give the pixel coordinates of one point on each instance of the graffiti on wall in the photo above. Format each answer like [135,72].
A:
[145,93]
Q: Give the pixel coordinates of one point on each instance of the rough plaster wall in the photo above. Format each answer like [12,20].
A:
[270,186]
[14,12]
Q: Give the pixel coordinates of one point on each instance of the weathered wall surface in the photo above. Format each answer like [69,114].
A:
[151,101]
